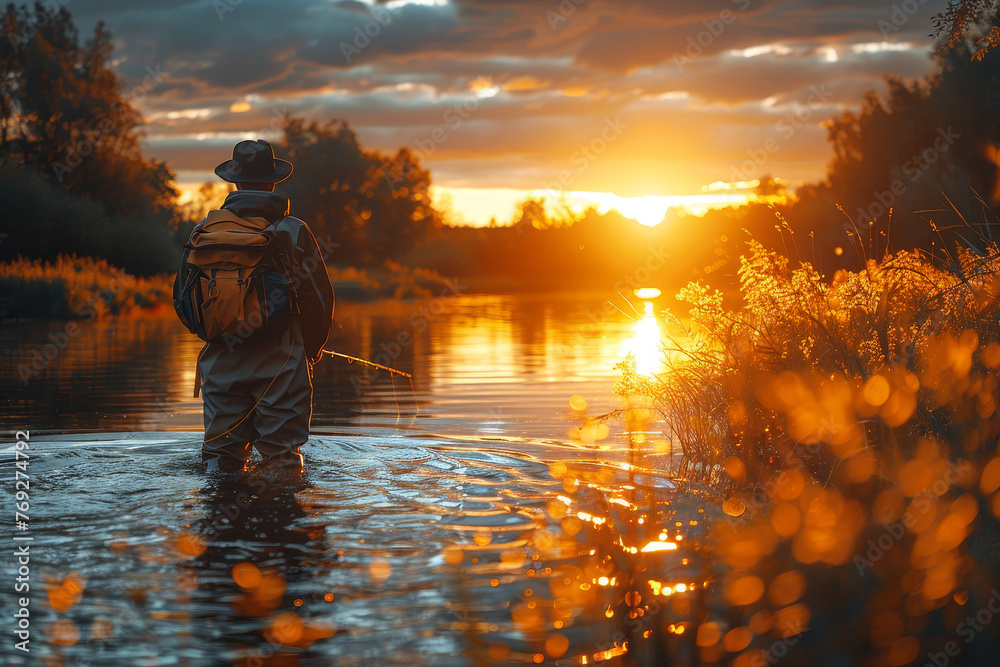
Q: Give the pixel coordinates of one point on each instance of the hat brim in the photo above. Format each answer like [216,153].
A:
[229,171]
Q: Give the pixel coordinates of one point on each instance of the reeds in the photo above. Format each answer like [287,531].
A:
[852,427]
[871,340]
[74,287]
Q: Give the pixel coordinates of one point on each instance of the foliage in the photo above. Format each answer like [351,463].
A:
[873,334]
[532,214]
[62,112]
[921,151]
[376,206]
[43,220]
[851,429]
[71,175]
[74,287]
[968,22]
[391,280]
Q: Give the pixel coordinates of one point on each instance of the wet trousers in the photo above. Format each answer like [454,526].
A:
[257,393]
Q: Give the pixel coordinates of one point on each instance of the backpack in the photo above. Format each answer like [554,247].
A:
[235,285]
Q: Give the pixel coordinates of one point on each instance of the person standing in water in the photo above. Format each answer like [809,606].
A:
[253,284]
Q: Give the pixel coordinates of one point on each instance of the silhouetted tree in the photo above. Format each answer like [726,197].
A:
[62,112]
[207,197]
[969,22]
[531,215]
[769,186]
[924,150]
[535,213]
[70,139]
[376,206]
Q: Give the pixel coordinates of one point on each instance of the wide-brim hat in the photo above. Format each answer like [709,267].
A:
[254,162]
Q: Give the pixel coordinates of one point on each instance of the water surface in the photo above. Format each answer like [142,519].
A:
[447,521]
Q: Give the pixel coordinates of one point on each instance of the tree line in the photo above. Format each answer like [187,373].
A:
[916,167]
[73,179]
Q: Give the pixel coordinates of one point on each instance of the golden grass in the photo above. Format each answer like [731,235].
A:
[74,287]
[860,364]
[79,287]
[851,430]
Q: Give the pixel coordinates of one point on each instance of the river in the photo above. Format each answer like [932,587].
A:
[461,517]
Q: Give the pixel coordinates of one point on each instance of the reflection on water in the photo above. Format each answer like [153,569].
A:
[409,551]
[451,523]
[247,526]
[504,365]
[645,345]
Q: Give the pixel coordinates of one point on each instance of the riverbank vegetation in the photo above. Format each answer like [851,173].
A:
[849,430]
[74,287]
[75,181]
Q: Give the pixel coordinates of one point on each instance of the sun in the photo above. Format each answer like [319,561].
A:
[648,211]
[645,344]
[652,209]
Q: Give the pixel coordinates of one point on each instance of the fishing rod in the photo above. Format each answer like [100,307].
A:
[351,359]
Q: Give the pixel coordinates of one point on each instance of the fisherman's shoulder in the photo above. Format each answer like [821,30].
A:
[295,227]
[290,223]
[196,227]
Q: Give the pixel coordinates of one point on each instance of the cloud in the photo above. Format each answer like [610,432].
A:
[685,74]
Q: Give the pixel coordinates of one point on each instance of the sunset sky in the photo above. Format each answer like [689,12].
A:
[623,99]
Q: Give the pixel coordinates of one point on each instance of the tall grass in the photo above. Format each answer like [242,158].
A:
[77,287]
[83,287]
[391,280]
[865,365]
[851,428]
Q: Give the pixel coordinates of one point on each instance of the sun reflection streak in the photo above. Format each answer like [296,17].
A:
[645,344]
[659,546]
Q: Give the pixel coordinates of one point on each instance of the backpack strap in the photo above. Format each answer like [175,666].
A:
[285,264]
[197,371]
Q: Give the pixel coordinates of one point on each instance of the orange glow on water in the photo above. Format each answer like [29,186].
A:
[645,344]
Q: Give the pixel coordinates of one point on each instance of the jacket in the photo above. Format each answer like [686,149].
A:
[312,292]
